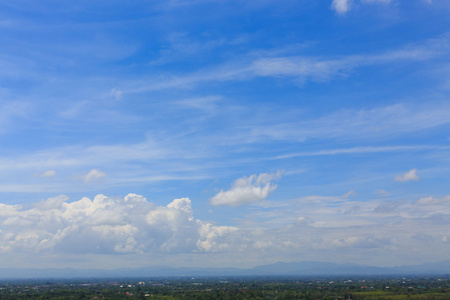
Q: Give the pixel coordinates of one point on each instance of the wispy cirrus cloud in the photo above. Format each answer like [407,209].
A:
[166,152]
[299,67]
[10,112]
[384,121]
[48,173]
[359,150]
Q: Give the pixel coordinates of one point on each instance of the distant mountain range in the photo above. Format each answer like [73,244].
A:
[307,268]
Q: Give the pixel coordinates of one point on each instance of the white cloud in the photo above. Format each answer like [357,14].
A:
[408,176]
[107,225]
[93,175]
[379,1]
[48,173]
[380,121]
[319,199]
[348,194]
[117,94]
[358,150]
[207,104]
[382,193]
[352,229]
[51,203]
[341,6]
[247,189]
[323,69]
[164,156]
[134,227]
[433,200]
[301,68]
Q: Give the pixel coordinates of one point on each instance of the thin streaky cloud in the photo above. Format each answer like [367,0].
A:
[359,150]
[348,194]
[361,124]
[48,173]
[301,67]
[31,188]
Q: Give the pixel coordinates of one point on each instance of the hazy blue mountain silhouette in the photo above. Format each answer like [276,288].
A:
[307,268]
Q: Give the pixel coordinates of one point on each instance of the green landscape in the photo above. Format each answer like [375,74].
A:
[369,288]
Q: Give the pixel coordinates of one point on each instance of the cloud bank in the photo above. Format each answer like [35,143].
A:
[128,228]
[107,225]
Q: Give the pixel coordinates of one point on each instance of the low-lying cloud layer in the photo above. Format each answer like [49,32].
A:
[307,228]
[107,225]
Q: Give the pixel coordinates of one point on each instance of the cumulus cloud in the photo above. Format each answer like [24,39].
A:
[408,176]
[93,174]
[247,189]
[51,203]
[107,225]
[136,228]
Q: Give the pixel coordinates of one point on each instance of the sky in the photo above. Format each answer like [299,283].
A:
[223,133]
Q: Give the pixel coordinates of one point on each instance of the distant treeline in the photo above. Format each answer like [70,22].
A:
[230,288]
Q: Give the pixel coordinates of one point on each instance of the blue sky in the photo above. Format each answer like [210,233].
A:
[222,133]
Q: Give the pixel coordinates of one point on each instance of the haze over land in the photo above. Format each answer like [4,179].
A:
[274,271]
[217,133]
